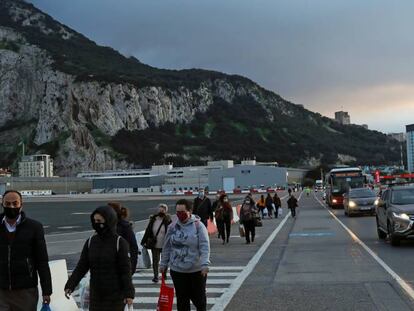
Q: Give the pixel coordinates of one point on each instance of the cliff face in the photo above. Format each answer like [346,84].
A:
[59,95]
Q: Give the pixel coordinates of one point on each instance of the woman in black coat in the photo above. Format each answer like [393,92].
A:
[106,256]
[125,230]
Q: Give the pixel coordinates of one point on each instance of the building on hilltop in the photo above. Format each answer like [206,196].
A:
[410,147]
[39,165]
[342,117]
[365,126]
[401,137]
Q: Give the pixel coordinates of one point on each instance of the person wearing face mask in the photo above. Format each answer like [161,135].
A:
[106,256]
[125,230]
[214,209]
[247,218]
[224,216]
[23,257]
[202,207]
[186,251]
[155,235]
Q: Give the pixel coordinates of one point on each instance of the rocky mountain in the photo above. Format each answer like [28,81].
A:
[92,108]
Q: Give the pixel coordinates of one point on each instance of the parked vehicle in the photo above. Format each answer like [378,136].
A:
[359,200]
[395,214]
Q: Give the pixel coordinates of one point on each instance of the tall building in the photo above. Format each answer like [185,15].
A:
[343,117]
[39,165]
[410,147]
[401,137]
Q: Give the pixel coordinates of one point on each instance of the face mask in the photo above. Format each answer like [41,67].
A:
[225,200]
[182,216]
[11,213]
[99,227]
[201,195]
[247,202]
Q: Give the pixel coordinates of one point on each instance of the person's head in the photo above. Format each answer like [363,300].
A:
[262,197]
[276,194]
[12,204]
[248,200]
[218,196]
[121,211]
[268,195]
[183,210]
[201,193]
[224,198]
[162,208]
[104,220]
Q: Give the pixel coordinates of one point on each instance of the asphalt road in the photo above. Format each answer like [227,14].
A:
[307,263]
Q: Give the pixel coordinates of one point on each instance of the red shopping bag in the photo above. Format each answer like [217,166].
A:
[166,299]
[211,227]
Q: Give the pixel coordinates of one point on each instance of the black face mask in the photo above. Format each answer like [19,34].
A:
[11,213]
[100,228]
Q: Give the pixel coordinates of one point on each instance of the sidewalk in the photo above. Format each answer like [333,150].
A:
[313,264]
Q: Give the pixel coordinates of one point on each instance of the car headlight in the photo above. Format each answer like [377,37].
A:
[376,202]
[334,201]
[352,204]
[403,216]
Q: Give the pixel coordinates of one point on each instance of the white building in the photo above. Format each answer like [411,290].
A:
[39,165]
[410,147]
[401,137]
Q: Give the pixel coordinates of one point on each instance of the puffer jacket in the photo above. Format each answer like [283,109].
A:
[25,257]
[110,267]
[124,229]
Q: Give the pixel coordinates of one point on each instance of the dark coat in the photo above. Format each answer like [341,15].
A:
[124,229]
[203,208]
[110,268]
[25,257]
[276,200]
[269,201]
[292,202]
[148,231]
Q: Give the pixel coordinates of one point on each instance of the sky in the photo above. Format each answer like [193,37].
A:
[327,55]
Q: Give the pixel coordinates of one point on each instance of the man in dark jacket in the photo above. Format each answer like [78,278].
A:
[202,207]
[292,204]
[23,256]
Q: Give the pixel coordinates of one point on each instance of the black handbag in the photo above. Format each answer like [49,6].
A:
[152,240]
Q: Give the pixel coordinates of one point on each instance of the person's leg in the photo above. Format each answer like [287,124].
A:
[247,231]
[253,230]
[220,227]
[277,212]
[198,291]
[182,287]
[156,252]
[228,229]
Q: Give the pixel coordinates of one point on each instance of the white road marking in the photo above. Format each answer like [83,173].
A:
[406,287]
[81,213]
[154,300]
[225,299]
[210,274]
[209,281]
[67,227]
[70,253]
[66,241]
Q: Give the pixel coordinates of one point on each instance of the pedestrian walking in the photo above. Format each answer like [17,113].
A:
[292,204]
[154,236]
[106,256]
[224,217]
[186,251]
[23,258]
[124,229]
[278,204]
[290,191]
[247,218]
[214,208]
[269,205]
[261,205]
[202,207]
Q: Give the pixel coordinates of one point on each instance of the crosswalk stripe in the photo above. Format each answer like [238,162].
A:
[150,290]
[154,300]
[209,281]
[210,274]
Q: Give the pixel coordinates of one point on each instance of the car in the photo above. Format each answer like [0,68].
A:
[359,201]
[395,214]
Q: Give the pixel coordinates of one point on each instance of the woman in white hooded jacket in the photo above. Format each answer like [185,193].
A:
[186,251]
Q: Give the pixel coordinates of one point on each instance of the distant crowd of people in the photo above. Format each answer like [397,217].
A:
[180,244]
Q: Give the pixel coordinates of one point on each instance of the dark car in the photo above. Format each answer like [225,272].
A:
[395,214]
[359,200]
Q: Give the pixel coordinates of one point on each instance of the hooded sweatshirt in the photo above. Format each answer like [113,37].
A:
[186,247]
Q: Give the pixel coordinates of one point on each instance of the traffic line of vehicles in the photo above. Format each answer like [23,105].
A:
[393,208]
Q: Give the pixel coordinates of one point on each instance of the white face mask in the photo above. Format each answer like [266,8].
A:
[225,200]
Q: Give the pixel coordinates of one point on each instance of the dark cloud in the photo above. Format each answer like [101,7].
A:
[313,52]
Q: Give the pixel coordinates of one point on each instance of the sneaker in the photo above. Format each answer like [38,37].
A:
[155,280]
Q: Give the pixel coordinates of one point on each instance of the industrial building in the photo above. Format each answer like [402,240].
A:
[343,117]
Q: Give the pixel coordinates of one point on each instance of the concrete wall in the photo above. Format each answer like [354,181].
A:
[127,182]
[247,176]
[59,185]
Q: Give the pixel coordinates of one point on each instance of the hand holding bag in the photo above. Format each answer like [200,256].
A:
[45,307]
[129,308]
[241,231]
[166,298]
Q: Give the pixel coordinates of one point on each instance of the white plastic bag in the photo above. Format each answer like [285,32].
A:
[129,308]
[84,292]
[144,254]
[146,258]
[280,212]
